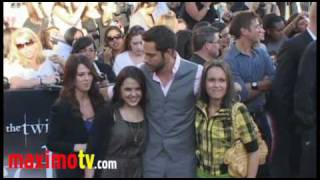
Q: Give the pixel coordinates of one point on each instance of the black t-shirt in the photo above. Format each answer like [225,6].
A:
[210,16]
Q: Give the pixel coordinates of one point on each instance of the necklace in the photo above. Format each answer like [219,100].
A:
[134,129]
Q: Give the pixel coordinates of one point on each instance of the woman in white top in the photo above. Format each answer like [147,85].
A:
[143,15]
[26,66]
[133,54]
[65,15]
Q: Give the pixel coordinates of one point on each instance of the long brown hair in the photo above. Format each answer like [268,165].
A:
[70,72]
[228,99]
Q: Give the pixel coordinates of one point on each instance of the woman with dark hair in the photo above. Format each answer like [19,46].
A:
[73,115]
[133,54]
[64,45]
[214,123]
[126,143]
[86,46]
[114,45]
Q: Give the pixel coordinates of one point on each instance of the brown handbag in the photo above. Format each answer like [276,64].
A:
[236,157]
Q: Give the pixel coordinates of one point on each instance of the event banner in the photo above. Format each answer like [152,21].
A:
[26,117]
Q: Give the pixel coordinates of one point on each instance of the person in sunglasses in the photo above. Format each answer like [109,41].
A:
[114,45]
[133,54]
[27,67]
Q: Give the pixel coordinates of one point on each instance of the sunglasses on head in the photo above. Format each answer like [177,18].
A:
[22,45]
[110,38]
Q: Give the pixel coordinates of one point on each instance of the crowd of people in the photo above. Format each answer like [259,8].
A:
[153,85]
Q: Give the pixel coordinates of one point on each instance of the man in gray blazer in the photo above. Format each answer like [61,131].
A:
[172,87]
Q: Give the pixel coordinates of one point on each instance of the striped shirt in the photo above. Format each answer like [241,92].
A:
[214,136]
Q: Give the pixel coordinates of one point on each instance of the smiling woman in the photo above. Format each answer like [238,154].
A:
[127,138]
[26,66]
[213,117]
[73,116]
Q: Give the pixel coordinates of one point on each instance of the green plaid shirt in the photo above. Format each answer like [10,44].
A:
[213,135]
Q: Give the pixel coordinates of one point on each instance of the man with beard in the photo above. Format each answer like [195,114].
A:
[172,87]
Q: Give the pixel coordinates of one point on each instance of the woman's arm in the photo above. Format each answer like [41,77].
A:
[253,163]
[18,82]
[71,19]
[193,11]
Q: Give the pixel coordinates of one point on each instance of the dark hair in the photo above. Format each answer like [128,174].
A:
[69,78]
[129,72]
[110,28]
[82,43]
[200,24]
[219,25]
[241,20]
[201,36]
[184,46]
[69,35]
[133,31]
[162,36]
[270,19]
[229,97]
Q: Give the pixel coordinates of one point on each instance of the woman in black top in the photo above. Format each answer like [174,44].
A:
[73,115]
[126,143]
[198,11]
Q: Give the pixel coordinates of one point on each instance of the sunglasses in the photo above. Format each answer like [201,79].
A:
[22,45]
[114,37]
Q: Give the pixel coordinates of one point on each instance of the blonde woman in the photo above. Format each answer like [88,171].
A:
[26,66]
[169,19]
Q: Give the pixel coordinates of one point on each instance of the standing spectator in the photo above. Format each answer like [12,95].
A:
[37,20]
[170,20]
[305,110]
[86,46]
[215,108]
[296,24]
[184,44]
[114,45]
[125,142]
[64,46]
[275,37]
[73,115]
[106,10]
[47,37]
[65,16]
[133,54]
[176,7]
[172,87]
[27,67]
[143,15]
[89,18]
[286,164]
[252,68]
[199,11]
[225,41]
[205,43]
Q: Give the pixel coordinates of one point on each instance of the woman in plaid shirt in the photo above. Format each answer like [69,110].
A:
[214,124]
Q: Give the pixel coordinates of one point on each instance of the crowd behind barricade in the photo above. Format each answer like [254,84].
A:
[166,89]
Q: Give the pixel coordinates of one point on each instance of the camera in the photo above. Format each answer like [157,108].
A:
[6,84]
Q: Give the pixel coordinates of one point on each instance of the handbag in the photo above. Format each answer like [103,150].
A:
[236,157]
